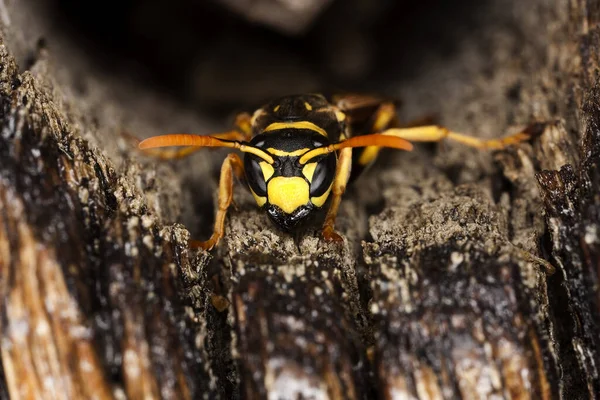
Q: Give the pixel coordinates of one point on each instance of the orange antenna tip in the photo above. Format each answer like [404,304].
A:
[180,139]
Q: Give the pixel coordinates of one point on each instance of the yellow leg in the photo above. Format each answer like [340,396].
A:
[342,174]
[384,117]
[243,133]
[242,122]
[434,133]
[232,165]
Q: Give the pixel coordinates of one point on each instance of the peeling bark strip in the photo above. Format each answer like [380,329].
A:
[88,307]
[46,335]
[572,201]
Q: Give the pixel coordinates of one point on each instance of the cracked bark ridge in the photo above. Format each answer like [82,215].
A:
[461,310]
[89,280]
[297,321]
[572,203]
[450,300]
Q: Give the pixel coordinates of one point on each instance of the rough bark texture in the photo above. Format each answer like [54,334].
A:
[442,286]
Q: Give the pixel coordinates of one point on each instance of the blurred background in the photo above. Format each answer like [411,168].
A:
[227,54]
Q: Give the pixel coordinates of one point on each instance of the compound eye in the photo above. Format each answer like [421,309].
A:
[255,175]
[323,176]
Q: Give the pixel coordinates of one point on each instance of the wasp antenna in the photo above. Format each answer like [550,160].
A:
[257,152]
[182,139]
[185,139]
[377,140]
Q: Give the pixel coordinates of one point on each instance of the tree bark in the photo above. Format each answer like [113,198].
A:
[462,274]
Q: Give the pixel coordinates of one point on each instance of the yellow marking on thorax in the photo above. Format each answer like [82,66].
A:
[339,115]
[267,169]
[320,200]
[308,106]
[309,170]
[288,193]
[295,125]
[260,200]
[276,108]
[282,153]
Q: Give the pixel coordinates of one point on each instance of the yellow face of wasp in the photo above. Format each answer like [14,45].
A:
[288,193]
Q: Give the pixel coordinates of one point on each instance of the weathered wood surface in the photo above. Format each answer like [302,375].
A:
[440,289]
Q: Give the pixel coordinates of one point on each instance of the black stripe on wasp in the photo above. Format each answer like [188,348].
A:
[301,151]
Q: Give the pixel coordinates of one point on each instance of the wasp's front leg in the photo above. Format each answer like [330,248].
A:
[342,174]
[232,165]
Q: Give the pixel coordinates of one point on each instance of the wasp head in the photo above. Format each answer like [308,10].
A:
[288,190]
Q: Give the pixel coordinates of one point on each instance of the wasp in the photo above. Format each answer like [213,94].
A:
[301,151]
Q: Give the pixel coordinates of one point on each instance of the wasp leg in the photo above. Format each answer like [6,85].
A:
[244,124]
[384,117]
[232,165]
[342,174]
[435,133]
[242,133]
